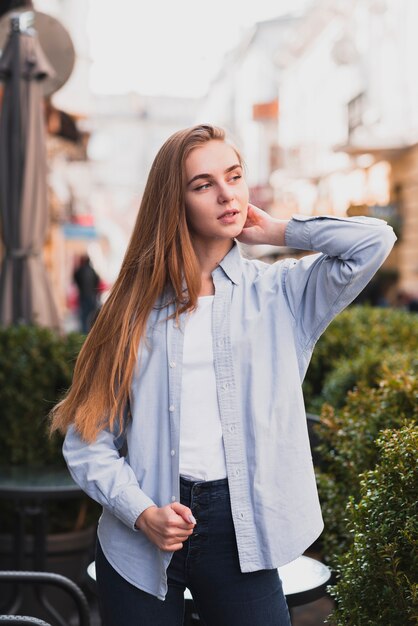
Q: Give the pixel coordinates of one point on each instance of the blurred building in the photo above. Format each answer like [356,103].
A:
[100,149]
[243,98]
[97,174]
[324,106]
[348,125]
[126,133]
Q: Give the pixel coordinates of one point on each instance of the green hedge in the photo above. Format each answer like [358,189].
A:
[36,366]
[348,447]
[355,348]
[377,581]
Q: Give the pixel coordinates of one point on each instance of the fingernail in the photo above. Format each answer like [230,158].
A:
[192,519]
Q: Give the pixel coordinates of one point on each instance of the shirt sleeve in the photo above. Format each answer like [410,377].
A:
[105,475]
[319,286]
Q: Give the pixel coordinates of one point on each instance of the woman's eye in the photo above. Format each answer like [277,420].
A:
[236,177]
[205,186]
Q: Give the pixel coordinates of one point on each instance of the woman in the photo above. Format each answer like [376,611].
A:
[185,419]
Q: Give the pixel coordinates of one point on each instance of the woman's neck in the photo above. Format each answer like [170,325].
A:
[209,257]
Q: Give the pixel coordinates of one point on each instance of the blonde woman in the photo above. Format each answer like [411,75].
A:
[185,418]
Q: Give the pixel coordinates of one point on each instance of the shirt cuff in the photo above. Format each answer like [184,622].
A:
[130,504]
[300,227]
[297,234]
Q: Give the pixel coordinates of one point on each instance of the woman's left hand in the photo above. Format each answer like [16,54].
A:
[260,228]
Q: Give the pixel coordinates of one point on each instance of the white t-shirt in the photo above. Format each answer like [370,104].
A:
[202,454]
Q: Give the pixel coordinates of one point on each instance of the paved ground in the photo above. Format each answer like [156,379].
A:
[313,614]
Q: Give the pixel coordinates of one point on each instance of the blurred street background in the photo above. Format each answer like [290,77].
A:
[321,98]
[319,95]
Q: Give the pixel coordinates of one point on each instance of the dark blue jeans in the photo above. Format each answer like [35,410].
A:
[208,565]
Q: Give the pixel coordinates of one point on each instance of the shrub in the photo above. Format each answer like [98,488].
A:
[377,582]
[36,366]
[359,337]
[367,369]
[348,446]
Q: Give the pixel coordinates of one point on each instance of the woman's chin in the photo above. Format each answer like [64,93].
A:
[234,231]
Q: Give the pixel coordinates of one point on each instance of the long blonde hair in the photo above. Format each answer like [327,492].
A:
[160,255]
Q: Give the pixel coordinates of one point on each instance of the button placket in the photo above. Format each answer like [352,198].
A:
[228,407]
[174,359]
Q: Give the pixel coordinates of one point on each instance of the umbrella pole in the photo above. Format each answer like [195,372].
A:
[16,175]
[24,285]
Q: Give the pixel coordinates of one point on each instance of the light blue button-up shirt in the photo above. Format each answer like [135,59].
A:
[266,321]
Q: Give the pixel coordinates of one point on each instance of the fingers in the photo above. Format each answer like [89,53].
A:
[167,527]
[254,215]
[184,512]
[176,531]
[252,219]
[173,539]
[171,548]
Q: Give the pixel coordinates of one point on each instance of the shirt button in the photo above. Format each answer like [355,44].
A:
[242,515]
[173,498]
[173,452]
[220,343]
[231,429]
[225,386]
[237,472]
[172,364]
[171,408]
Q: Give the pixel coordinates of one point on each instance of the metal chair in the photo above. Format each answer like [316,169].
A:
[314,440]
[46,578]
[21,620]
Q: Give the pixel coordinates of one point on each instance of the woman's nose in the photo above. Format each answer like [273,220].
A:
[225,194]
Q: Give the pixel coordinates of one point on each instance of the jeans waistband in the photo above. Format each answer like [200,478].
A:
[204,484]
[210,487]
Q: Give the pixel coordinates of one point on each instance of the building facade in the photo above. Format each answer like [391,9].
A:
[348,126]
[243,99]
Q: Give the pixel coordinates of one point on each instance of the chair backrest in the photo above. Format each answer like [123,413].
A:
[313,420]
[46,578]
[21,620]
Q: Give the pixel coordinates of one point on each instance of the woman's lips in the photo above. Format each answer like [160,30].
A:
[228,217]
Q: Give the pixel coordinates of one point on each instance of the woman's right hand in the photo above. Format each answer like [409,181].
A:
[168,526]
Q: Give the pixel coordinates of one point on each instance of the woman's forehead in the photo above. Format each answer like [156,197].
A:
[210,157]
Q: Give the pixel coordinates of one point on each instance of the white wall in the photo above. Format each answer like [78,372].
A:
[74,96]
[315,90]
[249,76]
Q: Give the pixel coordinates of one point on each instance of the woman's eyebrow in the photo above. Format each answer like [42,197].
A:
[208,176]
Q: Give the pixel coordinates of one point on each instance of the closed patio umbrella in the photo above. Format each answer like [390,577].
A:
[25,292]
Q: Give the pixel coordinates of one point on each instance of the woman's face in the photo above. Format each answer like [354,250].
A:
[216,193]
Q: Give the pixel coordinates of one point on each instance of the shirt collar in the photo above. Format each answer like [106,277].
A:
[232,264]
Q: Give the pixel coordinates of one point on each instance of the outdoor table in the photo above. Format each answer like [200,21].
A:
[29,489]
[304,580]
